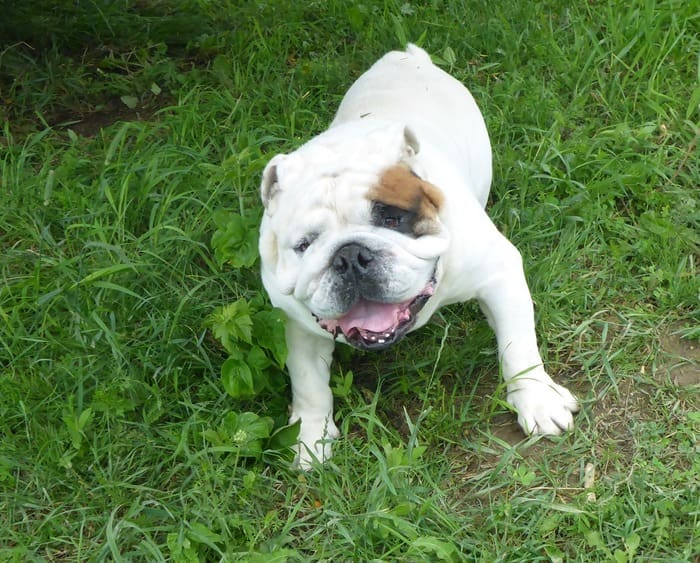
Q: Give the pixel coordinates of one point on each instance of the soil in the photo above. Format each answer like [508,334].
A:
[680,359]
[90,123]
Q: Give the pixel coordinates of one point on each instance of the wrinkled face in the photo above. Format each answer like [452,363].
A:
[351,237]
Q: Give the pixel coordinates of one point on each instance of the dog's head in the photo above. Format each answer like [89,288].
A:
[352,233]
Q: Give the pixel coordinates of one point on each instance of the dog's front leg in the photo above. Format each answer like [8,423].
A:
[543,407]
[309,359]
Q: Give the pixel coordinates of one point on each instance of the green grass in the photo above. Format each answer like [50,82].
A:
[128,125]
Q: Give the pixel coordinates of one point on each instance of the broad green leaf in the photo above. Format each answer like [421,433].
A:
[130,101]
[268,332]
[593,539]
[202,534]
[214,437]
[284,437]
[181,549]
[441,549]
[632,543]
[73,432]
[555,554]
[449,55]
[232,323]
[237,379]
[255,426]
[236,240]
[76,425]
[247,431]
[257,360]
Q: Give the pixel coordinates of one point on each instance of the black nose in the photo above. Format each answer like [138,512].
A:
[352,259]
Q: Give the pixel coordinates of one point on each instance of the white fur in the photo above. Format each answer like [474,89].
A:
[403,109]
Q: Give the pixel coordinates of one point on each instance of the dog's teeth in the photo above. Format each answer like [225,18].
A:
[387,335]
[381,341]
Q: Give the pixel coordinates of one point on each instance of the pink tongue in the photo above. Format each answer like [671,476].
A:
[374,317]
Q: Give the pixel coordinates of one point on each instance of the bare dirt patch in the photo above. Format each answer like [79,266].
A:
[90,123]
[680,359]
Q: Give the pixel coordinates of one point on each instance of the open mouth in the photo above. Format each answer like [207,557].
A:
[370,325]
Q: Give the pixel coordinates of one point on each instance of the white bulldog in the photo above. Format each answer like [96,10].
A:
[378,221]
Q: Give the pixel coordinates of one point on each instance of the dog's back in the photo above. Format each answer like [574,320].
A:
[406,87]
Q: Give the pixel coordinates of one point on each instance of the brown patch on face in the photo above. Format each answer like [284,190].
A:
[400,187]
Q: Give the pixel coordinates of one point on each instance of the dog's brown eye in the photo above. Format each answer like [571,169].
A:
[301,247]
[392,217]
[305,242]
[392,222]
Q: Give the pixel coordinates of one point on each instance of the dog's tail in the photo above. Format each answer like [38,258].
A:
[416,51]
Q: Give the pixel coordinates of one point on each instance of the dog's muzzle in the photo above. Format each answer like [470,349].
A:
[371,324]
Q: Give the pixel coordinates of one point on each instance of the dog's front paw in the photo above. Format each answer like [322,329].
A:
[314,442]
[543,407]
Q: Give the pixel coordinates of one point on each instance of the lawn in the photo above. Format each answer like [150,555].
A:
[142,403]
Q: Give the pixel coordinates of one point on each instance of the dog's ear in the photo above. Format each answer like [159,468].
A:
[411,146]
[270,182]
